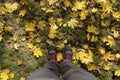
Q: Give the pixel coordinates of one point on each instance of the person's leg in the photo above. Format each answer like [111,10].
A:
[50,71]
[71,72]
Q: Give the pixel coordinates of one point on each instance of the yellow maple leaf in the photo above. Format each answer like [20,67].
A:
[91,67]
[1,37]
[23,38]
[30,26]
[15,38]
[60,36]
[8,28]
[103,38]
[37,52]
[92,29]
[65,41]
[105,23]
[31,34]
[117,56]
[88,36]
[94,38]
[80,24]
[113,29]
[110,41]
[85,46]
[74,14]
[1,27]
[59,57]
[79,5]
[12,75]
[42,3]
[49,10]
[2,10]
[107,66]
[101,1]
[51,21]
[116,14]
[19,62]
[59,21]
[84,57]
[49,42]
[30,45]
[102,50]
[11,7]
[72,23]
[115,34]
[4,74]
[107,7]
[16,46]
[65,24]
[94,9]
[38,40]
[23,2]
[113,1]
[41,25]
[83,14]
[60,46]
[18,20]
[117,72]
[105,15]
[22,13]
[108,56]
[90,52]
[52,2]
[54,26]
[67,3]
[52,33]
[22,78]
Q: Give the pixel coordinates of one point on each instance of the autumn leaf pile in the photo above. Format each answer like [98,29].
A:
[29,27]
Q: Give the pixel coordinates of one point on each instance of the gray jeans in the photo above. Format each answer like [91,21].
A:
[52,70]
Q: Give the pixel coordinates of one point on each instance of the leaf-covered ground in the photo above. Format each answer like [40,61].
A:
[29,27]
